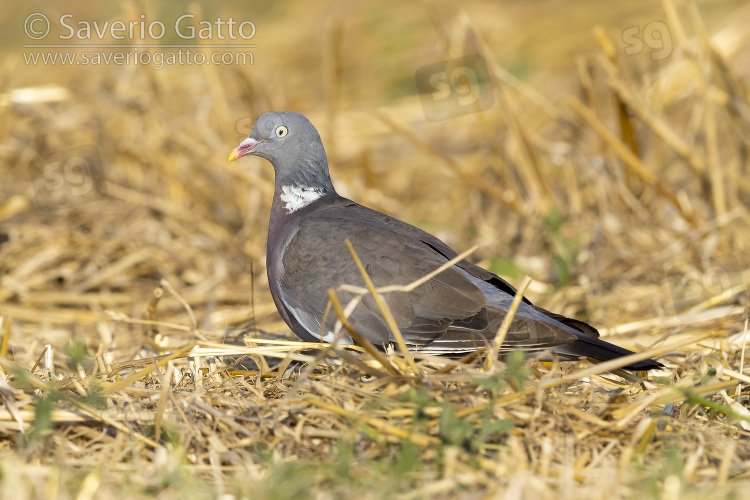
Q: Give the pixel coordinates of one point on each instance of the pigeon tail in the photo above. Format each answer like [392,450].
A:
[595,348]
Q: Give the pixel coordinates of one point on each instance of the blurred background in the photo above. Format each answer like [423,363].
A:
[600,148]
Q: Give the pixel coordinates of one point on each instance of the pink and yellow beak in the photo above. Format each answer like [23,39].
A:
[245,148]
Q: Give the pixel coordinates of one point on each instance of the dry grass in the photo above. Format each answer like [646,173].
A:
[142,356]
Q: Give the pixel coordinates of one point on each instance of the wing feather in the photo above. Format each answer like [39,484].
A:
[448,313]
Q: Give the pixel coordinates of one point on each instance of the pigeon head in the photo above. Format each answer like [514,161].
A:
[293,146]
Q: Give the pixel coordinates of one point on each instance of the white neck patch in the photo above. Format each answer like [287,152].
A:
[296,197]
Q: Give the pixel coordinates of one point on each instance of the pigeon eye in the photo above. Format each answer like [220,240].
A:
[281,131]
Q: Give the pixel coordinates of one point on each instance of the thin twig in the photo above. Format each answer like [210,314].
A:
[497,342]
[385,311]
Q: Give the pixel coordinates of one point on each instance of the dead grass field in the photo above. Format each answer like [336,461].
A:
[142,356]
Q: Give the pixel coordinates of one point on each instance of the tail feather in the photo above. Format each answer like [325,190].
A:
[603,351]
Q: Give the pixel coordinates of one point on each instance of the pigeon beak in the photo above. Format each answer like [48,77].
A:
[245,148]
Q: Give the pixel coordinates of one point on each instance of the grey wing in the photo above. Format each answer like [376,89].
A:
[316,260]
[449,313]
